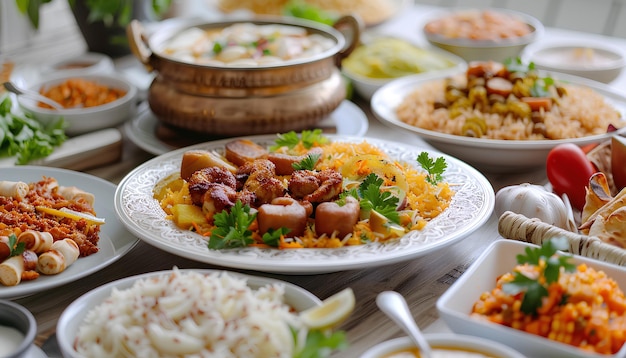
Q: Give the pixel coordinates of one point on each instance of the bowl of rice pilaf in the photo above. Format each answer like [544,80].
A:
[501,117]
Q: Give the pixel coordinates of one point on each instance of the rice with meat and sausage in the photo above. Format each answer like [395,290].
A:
[580,113]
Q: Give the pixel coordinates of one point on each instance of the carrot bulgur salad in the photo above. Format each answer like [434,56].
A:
[548,296]
[305,191]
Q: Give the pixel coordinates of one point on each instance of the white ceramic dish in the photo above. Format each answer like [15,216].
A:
[492,155]
[456,303]
[480,50]
[348,119]
[25,75]
[471,206]
[85,64]
[366,86]
[72,317]
[444,340]
[88,119]
[23,323]
[597,61]
[115,240]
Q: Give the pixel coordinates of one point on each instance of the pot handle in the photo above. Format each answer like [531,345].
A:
[351,26]
[137,42]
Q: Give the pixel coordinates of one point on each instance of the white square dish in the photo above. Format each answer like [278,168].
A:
[456,303]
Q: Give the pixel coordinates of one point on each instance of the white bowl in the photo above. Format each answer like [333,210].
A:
[15,316]
[72,317]
[596,61]
[85,64]
[457,342]
[456,303]
[366,86]
[491,155]
[88,119]
[481,50]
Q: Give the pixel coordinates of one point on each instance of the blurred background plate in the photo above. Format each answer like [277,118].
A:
[381,59]
[372,12]
[148,134]
[593,60]
[501,37]
[491,155]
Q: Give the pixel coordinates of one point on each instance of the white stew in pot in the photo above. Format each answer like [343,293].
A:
[246,45]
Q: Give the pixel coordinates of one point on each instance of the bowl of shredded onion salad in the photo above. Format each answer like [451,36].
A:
[394,196]
[178,313]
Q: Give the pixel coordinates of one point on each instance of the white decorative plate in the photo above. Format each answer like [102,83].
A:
[348,119]
[471,206]
[115,240]
[493,155]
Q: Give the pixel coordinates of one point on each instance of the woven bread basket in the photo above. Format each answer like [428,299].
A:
[518,227]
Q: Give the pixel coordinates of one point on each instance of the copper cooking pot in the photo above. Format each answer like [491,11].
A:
[225,81]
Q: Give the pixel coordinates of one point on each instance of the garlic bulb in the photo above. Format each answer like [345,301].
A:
[534,201]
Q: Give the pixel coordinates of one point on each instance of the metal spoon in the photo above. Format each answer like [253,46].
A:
[11,87]
[395,307]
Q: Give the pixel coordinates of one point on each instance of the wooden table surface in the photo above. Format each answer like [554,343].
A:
[421,280]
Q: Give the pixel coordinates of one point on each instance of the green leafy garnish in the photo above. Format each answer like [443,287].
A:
[318,343]
[308,163]
[308,138]
[434,168]
[517,65]
[372,197]
[15,248]
[550,265]
[26,138]
[300,9]
[272,237]
[541,87]
[232,228]
[217,48]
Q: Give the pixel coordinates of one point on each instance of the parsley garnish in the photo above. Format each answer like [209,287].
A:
[26,138]
[371,197]
[319,343]
[217,48]
[272,237]
[550,265]
[232,228]
[541,87]
[308,138]
[15,248]
[434,168]
[516,65]
[308,163]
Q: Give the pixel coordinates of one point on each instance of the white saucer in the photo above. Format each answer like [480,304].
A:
[348,119]
[36,352]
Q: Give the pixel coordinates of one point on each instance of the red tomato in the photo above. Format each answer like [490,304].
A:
[569,170]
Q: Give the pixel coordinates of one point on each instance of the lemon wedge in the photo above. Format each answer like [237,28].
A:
[380,224]
[333,310]
[71,214]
